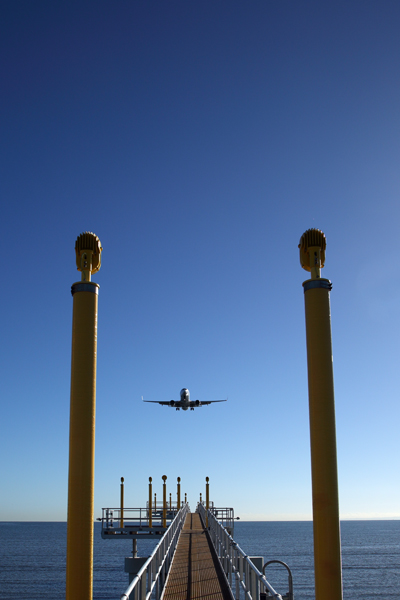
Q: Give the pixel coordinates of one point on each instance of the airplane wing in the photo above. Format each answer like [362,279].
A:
[156,402]
[212,401]
[198,403]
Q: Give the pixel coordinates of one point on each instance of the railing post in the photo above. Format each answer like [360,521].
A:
[121,516]
[150,502]
[254,585]
[178,494]
[230,565]
[79,577]
[185,498]
[164,523]
[326,525]
[143,585]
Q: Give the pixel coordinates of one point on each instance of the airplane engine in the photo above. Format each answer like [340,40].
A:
[198,402]
[172,403]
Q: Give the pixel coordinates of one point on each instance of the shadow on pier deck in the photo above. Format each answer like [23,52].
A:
[195,571]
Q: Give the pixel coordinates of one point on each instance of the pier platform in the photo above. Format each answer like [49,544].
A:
[196,572]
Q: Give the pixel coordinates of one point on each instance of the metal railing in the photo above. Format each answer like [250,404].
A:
[244,579]
[111,517]
[225,515]
[152,575]
[117,520]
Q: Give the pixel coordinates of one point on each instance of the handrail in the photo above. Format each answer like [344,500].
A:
[133,517]
[154,571]
[225,515]
[241,573]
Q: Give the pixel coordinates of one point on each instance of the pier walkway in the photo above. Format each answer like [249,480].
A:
[196,557]
[196,572]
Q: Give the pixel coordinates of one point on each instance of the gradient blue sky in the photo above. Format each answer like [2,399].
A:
[199,140]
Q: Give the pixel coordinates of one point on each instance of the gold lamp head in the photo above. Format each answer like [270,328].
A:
[88,254]
[312,251]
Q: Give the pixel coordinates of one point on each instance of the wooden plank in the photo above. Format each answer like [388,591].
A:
[195,572]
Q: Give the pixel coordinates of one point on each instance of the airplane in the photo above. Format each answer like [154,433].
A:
[185,402]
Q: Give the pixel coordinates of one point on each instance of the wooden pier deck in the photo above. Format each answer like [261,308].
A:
[195,572]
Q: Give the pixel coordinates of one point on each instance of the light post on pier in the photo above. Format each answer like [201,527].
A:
[178,494]
[207,498]
[121,522]
[150,502]
[79,578]
[326,525]
[164,513]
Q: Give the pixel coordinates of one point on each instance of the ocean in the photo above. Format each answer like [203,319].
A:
[32,559]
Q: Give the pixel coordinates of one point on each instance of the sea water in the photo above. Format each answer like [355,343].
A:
[32,559]
[370,556]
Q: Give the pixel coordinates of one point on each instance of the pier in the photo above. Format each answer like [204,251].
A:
[196,557]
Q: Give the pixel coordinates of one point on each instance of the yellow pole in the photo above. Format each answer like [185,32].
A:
[207,498]
[121,522]
[178,501]
[79,577]
[150,506]
[164,523]
[326,525]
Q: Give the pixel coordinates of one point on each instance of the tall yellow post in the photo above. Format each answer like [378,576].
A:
[121,521]
[164,517]
[207,499]
[178,494]
[327,551]
[79,578]
[150,506]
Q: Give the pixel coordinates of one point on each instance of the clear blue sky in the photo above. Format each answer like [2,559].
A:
[199,140]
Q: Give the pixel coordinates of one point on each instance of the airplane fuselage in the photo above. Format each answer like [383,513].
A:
[184,402]
[185,398]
